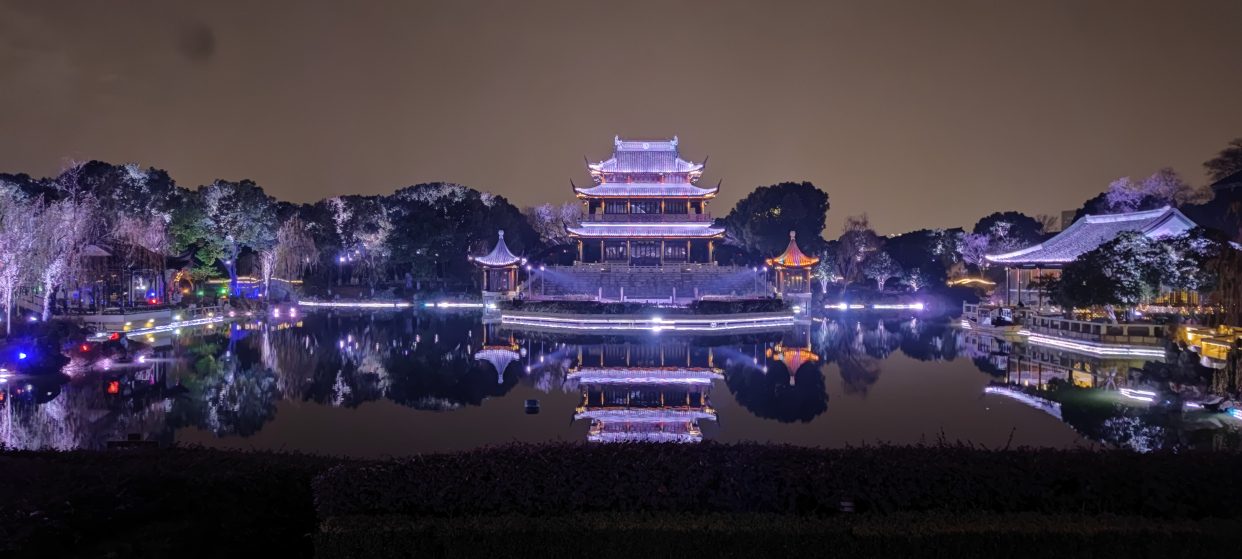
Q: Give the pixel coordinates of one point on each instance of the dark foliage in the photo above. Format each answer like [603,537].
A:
[568,479]
[628,535]
[1023,228]
[761,222]
[777,394]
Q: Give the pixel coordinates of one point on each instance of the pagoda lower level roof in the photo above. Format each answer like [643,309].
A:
[651,230]
[642,189]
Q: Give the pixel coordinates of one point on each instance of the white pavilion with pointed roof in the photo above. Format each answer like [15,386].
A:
[499,268]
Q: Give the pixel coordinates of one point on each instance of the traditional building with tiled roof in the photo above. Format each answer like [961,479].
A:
[645,208]
[1083,236]
[499,267]
[793,270]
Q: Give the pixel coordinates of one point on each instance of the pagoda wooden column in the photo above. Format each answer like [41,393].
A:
[602,258]
[687,251]
[629,256]
[580,256]
[711,254]
[661,252]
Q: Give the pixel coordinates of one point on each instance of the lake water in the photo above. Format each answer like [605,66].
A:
[372,385]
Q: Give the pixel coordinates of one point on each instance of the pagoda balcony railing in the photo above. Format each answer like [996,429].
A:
[647,218]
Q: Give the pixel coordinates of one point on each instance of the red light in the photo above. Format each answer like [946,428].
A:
[152,301]
[114,387]
[86,347]
[115,336]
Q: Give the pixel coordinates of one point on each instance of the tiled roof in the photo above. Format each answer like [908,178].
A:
[655,230]
[499,256]
[645,157]
[1091,231]
[637,189]
[792,257]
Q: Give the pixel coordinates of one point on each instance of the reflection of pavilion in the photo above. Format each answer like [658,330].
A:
[653,393]
[499,351]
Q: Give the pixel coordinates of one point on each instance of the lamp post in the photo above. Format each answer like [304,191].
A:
[542,281]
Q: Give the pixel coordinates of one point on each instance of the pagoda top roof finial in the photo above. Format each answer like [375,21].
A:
[792,234]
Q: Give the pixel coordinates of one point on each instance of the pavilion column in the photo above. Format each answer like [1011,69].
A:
[687,251]
[581,258]
[629,256]
[602,259]
[661,252]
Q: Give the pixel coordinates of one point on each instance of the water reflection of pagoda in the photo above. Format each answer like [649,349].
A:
[645,392]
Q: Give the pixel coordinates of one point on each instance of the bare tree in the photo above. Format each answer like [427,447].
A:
[19,233]
[975,247]
[65,228]
[1048,223]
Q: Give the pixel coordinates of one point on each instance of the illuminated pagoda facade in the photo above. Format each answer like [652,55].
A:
[645,209]
[500,269]
[644,392]
[1024,266]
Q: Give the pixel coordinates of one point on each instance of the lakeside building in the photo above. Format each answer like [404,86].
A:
[646,234]
[1087,234]
[793,272]
[500,269]
[646,208]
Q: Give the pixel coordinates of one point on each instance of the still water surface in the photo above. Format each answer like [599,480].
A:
[372,385]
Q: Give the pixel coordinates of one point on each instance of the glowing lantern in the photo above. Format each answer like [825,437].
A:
[114,387]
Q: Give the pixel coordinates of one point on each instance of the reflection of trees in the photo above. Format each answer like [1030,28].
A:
[224,396]
[436,379]
[770,395]
[844,345]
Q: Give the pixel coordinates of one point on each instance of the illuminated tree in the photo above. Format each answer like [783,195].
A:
[19,236]
[239,214]
[291,255]
[826,272]
[65,228]
[880,267]
[550,221]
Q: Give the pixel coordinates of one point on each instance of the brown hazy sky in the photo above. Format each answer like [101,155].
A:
[920,113]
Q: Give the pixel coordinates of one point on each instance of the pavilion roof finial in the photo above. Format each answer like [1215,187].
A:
[502,234]
[792,234]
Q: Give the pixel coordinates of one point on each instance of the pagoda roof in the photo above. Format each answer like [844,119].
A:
[500,358]
[793,257]
[499,256]
[643,156]
[639,189]
[1088,233]
[639,375]
[653,230]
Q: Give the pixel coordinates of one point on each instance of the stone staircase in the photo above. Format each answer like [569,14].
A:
[645,282]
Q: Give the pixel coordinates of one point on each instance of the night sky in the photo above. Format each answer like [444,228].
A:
[922,114]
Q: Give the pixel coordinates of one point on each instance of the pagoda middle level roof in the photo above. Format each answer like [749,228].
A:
[643,189]
[643,156]
[697,230]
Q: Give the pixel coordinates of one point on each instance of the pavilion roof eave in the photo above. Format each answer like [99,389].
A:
[499,257]
[1089,233]
[793,257]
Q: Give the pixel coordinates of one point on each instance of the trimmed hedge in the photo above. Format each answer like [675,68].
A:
[564,478]
[157,502]
[629,535]
[694,308]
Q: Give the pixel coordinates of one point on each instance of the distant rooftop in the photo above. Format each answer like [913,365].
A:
[1088,233]
[1231,181]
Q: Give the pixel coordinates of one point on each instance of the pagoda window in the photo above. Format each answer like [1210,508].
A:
[646,250]
[675,207]
[696,206]
[614,251]
[614,206]
[675,251]
[645,207]
[592,206]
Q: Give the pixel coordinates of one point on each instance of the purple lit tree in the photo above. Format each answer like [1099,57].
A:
[550,221]
[239,214]
[19,235]
[881,267]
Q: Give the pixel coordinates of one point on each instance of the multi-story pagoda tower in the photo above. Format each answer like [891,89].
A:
[646,208]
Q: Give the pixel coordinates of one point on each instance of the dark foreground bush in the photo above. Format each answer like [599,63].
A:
[629,535]
[569,478]
[696,307]
[172,502]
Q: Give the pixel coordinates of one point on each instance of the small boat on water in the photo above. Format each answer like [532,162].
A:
[992,319]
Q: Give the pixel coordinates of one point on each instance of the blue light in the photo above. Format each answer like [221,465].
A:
[21,355]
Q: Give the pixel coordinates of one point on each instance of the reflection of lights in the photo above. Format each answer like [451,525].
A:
[1052,408]
[1095,348]
[1141,395]
[1193,405]
[164,328]
[394,304]
[1237,413]
[649,324]
[142,359]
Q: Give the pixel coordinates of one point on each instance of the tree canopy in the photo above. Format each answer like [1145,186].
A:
[761,222]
